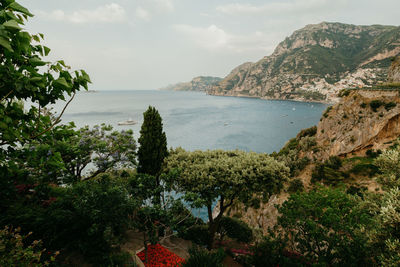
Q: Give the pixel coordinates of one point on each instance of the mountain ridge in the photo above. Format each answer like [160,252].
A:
[316,62]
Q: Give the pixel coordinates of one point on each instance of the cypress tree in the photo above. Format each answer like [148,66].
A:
[153,144]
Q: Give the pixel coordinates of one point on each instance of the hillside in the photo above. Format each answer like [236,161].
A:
[352,133]
[316,62]
[201,83]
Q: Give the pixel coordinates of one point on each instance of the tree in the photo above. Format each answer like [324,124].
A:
[153,146]
[205,177]
[153,143]
[25,76]
[326,226]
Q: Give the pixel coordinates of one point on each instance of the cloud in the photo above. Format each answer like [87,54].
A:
[142,13]
[164,5]
[110,13]
[215,38]
[279,8]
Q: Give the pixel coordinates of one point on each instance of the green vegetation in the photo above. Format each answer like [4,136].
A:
[60,207]
[224,176]
[235,229]
[202,258]
[375,104]
[153,143]
[15,250]
[295,185]
[153,146]
[326,113]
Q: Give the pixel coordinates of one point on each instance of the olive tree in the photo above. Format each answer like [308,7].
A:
[205,177]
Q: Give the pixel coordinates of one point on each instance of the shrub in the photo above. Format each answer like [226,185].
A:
[375,104]
[204,258]
[307,132]
[328,171]
[235,229]
[327,226]
[13,251]
[198,234]
[390,105]
[363,105]
[344,92]
[296,185]
[326,113]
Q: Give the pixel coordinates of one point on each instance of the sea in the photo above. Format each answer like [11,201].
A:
[197,121]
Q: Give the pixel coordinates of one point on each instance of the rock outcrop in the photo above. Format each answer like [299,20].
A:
[316,62]
[394,71]
[362,120]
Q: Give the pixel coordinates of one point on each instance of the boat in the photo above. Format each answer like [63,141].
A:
[128,122]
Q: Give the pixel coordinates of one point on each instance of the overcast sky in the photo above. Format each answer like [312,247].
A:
[148,44]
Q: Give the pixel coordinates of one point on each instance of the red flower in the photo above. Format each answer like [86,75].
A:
[158,256]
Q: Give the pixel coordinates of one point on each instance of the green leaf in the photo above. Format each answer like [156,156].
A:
[46,50]
[61,81]
[37,62]
[6,44]
[35,79]
[17,7]
[12,24]
[86,76]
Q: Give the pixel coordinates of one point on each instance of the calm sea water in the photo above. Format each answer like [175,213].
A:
[198,121]
[195,120]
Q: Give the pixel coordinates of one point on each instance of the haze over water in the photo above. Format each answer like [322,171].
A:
[195,120]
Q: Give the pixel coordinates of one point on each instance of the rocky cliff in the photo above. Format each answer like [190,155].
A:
[362,120]
[394,71]
[201,83]
[316,62]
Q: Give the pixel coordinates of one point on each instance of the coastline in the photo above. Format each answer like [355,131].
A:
[326,102]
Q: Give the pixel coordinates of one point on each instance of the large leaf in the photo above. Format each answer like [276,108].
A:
[12,24]
[37,62]
[61,81]
[6,44]
[17,7]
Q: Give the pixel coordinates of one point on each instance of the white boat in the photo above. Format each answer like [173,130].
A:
[128,122]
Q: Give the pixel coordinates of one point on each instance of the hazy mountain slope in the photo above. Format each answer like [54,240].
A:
[201,83]
[315,62]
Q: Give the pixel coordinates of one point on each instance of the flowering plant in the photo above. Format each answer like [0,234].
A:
[158,256]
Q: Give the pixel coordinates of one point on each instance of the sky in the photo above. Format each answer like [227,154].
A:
[149,44]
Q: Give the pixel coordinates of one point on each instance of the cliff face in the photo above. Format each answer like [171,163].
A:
[201,83]
[365,119]
[394,71]
[316,62]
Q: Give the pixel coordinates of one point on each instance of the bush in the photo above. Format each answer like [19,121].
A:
[375,104]
[307,132]
[198,234]
[296,185]
[329,172]
[344,92]
[327,226]
[204,258]
[13,251]
[363,105]
[89,218]
[235,229]
[271,252]
[390,105]
[326,113]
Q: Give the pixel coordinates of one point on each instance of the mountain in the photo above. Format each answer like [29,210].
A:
[316,62]
[201,83]
[394,71]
